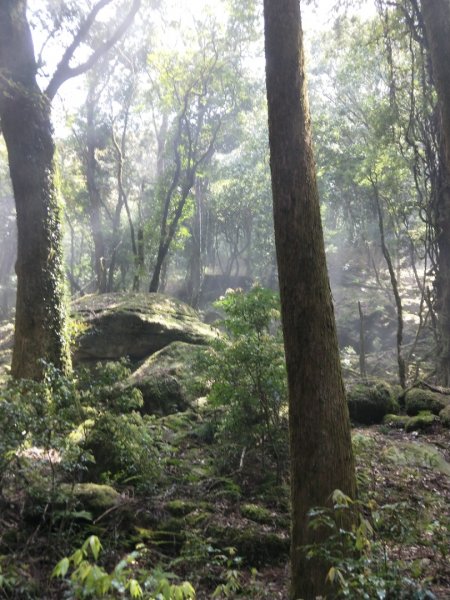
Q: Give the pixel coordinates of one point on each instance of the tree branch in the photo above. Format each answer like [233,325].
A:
[64,71]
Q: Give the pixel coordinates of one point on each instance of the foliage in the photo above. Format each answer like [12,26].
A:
[83,420]
[360,566]
[126,580]
[246,372]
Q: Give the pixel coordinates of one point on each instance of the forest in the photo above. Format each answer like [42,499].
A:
[225,299]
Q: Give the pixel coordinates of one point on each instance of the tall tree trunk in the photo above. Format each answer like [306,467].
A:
[320,442]
[394,284]
[436,16]
[95,203]
[26,126]
[195,270]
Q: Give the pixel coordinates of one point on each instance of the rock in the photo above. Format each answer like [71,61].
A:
[444,415]
[417,454]
[135,325]
[166,379]
[417,400]
[92,497]
[256,545]
[369,403]
[395,421]
[424,420]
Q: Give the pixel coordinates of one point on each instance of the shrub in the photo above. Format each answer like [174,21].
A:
[246,372]
[358,557]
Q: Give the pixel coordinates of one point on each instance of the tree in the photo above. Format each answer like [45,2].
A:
[436,17]
[25,114]
[320,442]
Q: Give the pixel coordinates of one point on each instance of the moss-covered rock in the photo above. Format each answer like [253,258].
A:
[417,400]
[369,403]
[92,496]
[133,325]
[395,421]
[254,544]
[417,454]
[444,415]
[424,420]
[166,379]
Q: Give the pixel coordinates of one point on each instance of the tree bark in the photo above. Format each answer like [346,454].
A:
[95,203]
[320,442]
[27,129]
[436,17]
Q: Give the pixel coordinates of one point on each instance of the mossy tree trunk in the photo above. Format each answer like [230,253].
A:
[436,17]
[320,442]
[26,126]
[25,116]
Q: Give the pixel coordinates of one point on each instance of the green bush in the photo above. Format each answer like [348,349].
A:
[246,372]
[88,421]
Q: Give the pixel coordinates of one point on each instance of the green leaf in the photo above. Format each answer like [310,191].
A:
[135,589]
[61,568]
[94,545]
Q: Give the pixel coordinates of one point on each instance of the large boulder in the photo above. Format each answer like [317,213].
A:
[166,379]
[369,403]
[134,325]
[418,400]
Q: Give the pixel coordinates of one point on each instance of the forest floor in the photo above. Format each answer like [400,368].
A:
[215,528]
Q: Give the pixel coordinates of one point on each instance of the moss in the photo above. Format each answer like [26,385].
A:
[369,403]
[424,420]
[166,379]
[444,415]
[395,421]
[257,513]
[170,535]
[417,400]
[180,508]
[226,489]
[92,496]
[417,454]
[134,325]
[256,546]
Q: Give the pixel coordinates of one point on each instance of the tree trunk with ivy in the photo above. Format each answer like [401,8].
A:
[436,17]
[26,126]
[25,117]
[320,442]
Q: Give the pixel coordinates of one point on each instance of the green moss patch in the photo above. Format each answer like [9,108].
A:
[444,415]
[369,403]
[417,400]
[166,379]
[257,513]
[417,454]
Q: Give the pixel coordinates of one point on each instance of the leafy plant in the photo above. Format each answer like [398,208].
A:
[246,372]
[126,580]
[360,565]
